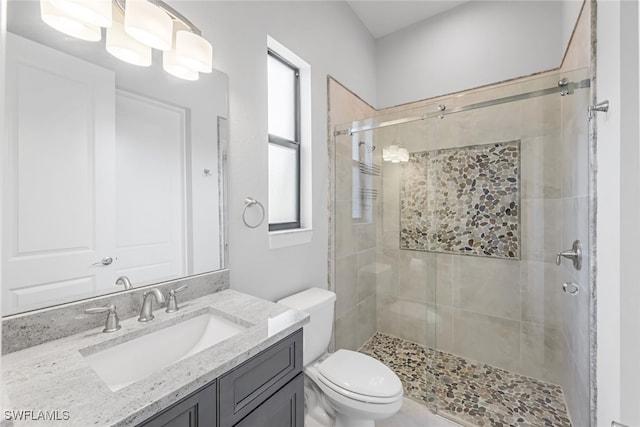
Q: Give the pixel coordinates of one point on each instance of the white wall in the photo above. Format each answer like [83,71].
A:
[3,40]
[332,40]
[475,44]
[618,201]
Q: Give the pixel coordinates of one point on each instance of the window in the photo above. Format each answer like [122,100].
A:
[284,143]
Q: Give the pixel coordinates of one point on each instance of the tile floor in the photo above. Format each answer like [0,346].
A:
[414,414]
[468,392]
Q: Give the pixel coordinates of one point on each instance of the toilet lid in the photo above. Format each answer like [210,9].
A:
[360,374]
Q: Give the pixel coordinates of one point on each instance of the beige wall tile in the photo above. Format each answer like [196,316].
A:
[367,313]
[386,318]
[366,236]
[487,339]
[345,232]
[346,330]
[404,319]
[541,115]
[543,352]
[540,162]
[578,53]
[388,283]
[443,328]
[445,267]
[488,286]
[346,284]
[541,229]
[417,272]
[541,294]
[576,392]
[367,269]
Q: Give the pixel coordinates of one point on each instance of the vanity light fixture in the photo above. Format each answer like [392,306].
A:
[123,46]
[67,24]
[94,12]
[395,154]
[148,23]
[134,27]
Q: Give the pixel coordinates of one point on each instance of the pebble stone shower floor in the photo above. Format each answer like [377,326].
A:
[468,392]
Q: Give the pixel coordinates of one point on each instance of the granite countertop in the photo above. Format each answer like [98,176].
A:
[55,376]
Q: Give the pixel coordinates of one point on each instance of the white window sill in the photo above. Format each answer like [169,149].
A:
[286,238]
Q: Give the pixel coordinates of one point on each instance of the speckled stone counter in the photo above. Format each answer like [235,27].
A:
[55,376]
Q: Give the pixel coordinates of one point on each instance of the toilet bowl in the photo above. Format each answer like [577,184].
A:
[345,388]
[357,388]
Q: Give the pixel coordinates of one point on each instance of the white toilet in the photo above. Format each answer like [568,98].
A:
[346,388]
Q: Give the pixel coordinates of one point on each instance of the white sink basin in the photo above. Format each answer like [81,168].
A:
[131,361]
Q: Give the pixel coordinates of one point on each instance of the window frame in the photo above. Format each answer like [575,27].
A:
[284,142]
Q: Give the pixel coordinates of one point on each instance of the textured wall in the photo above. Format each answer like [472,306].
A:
[463,201]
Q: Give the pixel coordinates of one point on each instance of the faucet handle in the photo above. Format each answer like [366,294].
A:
[113,323]
[172,304]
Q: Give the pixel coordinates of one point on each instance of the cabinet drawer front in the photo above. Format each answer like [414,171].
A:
[250,384]
[197,410]
[283,409]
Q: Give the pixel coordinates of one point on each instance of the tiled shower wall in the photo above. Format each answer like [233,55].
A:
[574,198]
[353,241]
[503,312]
[511,314]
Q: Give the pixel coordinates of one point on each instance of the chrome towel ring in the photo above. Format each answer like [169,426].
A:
[249,201]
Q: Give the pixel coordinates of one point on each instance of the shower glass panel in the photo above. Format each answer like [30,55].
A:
[448,221]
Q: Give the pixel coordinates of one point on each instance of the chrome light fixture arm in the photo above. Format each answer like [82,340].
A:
[174,14]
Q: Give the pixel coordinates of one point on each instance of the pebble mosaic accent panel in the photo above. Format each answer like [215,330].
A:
[469,392]
[462,200]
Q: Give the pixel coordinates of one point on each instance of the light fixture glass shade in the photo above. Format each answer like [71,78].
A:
[148,24]
[194,52]
[403,155]
[67,24]
[395,154]
[93,12]
[126,48]
[173,66]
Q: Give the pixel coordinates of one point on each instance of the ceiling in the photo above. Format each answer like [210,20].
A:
[385,17]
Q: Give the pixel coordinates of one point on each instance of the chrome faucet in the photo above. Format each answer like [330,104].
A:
[124,280]
[145,312]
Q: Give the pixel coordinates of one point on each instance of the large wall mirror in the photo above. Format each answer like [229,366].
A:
[109,170]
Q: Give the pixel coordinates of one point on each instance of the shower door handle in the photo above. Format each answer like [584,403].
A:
[574,254]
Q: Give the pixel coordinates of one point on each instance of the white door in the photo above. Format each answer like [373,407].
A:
[58,159]
[150,189]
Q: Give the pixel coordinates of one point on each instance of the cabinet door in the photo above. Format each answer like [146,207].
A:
[244,388]
[197,410]
[284,409]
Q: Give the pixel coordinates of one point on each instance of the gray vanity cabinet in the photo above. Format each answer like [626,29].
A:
[283,409]
[265,391]
[197,410]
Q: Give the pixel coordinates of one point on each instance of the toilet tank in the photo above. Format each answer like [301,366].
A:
[319,304]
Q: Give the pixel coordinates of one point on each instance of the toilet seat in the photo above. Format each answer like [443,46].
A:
[359,377]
